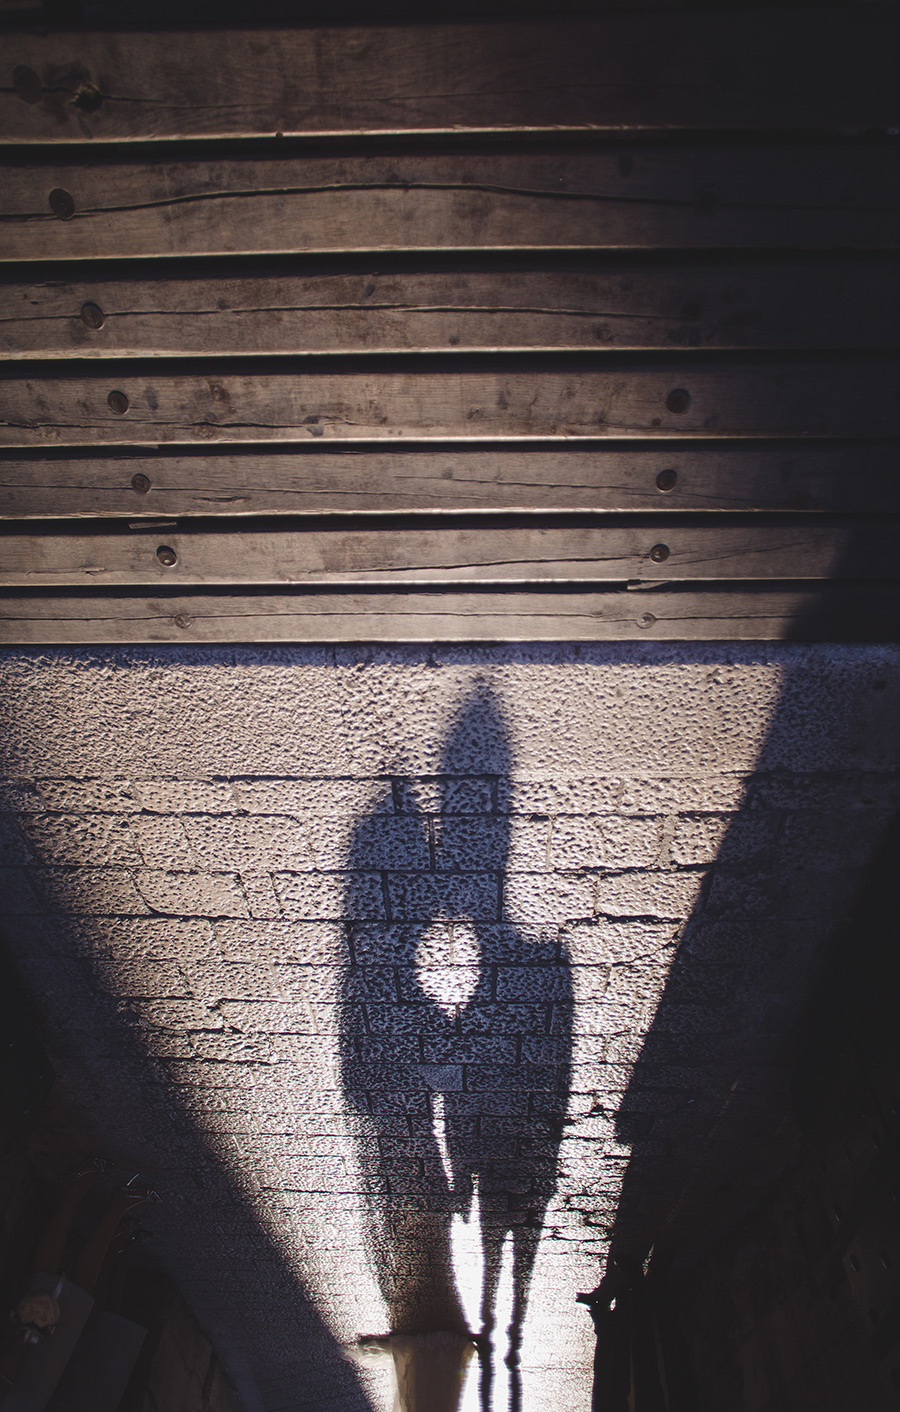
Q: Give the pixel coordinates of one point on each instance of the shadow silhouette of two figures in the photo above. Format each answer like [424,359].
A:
[455,1033]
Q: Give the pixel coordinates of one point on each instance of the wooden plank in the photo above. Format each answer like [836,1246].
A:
[562,196]
[838,303]
[809,476]
[450,398]
[442,551]
[849,614]
[747,70]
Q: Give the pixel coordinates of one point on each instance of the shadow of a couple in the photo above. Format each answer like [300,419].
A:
[455,1041]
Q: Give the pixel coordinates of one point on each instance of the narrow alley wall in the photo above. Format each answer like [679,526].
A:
[330,939]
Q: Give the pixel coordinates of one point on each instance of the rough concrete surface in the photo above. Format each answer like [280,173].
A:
[342,947]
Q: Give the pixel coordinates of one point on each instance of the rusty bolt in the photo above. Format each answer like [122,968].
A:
[26,84]
[88,97]
[140,483]
[667,480]
[646,620]
[181,620]
[61,203]
[166,556]
[117,402]
[678,400]
[659,553]
[92,315]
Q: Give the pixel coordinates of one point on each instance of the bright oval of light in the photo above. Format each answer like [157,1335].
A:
[447,964]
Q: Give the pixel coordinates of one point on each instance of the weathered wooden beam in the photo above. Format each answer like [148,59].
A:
[849,613]
[449,398]
[747,70]
[559,196]
[834,303]
[663,476]
[443,551]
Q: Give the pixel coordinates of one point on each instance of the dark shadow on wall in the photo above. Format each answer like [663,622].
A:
[455,1042]
[797,1306]
[283,1349]
[779,950]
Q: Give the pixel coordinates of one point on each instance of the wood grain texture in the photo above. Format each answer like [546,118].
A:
[562,196]
[440,551]
[851,613]
[451,399]
[810,476]
[838,303]
[748,70]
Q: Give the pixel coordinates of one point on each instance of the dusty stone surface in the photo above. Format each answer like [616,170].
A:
[332,941]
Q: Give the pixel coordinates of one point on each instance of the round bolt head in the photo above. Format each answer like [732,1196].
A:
[678,400]
[659,553]
[667,480]
[182,620]
[166,556]
[88,97]
[117,402]
[140,483]
[92,315]
[26,84]
[646,620]
[61,203]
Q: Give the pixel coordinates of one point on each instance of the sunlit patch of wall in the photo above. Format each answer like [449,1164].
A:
[178,835]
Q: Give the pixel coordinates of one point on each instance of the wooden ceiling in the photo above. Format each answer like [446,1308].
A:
[579,328]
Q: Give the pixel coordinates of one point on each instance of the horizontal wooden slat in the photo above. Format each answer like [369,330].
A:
[812,476]
[831,304]
[571,196]
[750,70]
[850,613]
[439,551]
[451,399]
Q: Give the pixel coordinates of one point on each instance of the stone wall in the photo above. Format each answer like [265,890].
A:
[325,937]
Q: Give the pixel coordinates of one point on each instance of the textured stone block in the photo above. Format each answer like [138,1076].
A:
[176,1015]
[81,840]
[76,796]
[163,842]
[280,942]
[313,896]
[469,1050]
[444,795]
[656,895]
[187,940]
[607,943]
[192,894]
[341,799]
[558,796]
[474,844]
[503,1019]
[257,843]
[538,898]
[378,842]
[538,984]
[92,891]
[185,796]
[728,838]
[607,842]
[425,896]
